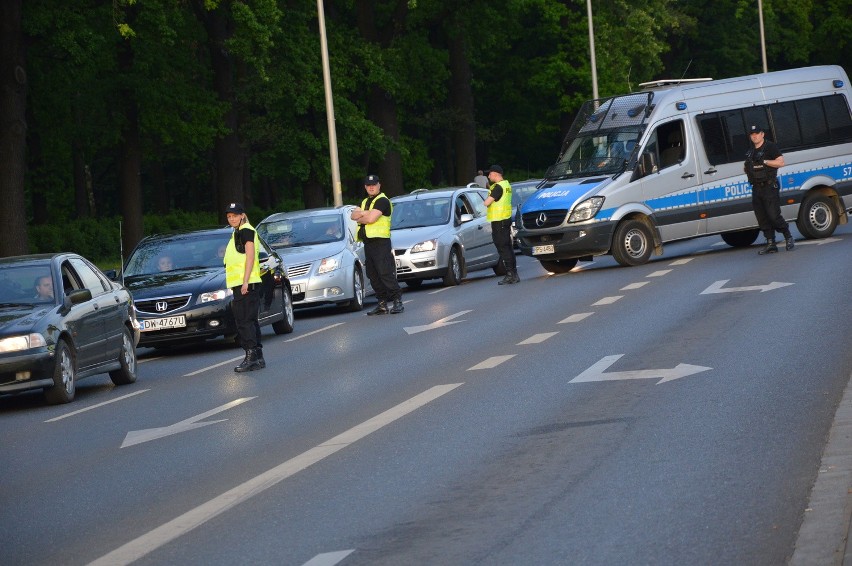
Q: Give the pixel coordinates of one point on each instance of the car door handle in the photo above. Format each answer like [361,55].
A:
[687,175]
[711,171]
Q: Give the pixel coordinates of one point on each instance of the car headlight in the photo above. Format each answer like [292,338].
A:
[427,246]
[18,343]
[329,264]
[214,296]
[586,209]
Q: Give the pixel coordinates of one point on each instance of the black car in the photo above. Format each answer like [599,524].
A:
[179,293]
[61,320]
[521,191]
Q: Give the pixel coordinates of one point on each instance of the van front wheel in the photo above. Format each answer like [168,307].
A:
[633,243]
[817,217]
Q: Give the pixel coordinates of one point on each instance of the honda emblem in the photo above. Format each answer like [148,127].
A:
[161,306]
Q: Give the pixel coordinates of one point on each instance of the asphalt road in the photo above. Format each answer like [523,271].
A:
[671,413]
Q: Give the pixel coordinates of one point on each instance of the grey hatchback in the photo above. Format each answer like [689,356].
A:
[442,233]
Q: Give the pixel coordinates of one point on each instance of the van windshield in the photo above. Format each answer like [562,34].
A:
[597,153]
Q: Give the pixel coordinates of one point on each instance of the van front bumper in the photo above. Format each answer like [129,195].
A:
[568,243]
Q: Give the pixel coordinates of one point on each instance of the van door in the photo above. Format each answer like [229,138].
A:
[670,183]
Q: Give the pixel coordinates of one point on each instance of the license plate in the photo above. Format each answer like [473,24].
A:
[164,323]
[296,289]
[548,249]
[398,264]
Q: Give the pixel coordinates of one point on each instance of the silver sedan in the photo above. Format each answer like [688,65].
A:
[325,263]
[442,233]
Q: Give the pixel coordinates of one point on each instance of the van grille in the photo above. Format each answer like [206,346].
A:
[544,219]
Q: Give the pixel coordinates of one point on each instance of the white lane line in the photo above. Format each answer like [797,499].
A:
[491,362]
[634,286]
[682,261]
[576,317]
[317,331]
[66,415]
[538,338]
[608,300]
[226,362]
[441,290]
[328,558]
[162,535]
[659,273]
[142,361]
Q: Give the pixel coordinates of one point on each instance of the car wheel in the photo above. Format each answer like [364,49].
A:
[285,326]
[817,217]
[414,283]
[64,376]
[454,268]
[633,243]
[559,265]
[357,302]
[740,238]
[126,374]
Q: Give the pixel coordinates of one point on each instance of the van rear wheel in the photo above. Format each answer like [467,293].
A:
[741,238]
[817,217]
[633,243]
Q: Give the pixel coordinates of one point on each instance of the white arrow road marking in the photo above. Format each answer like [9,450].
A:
[596,372]
[446,321]
[818,242]
[140,436]
[328,558]
[717,287]
[179,526]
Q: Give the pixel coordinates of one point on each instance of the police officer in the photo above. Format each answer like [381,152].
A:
[374,221]
[761,166]
[242,276]
[499,203]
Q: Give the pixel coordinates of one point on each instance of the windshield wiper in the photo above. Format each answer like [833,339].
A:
[7,305]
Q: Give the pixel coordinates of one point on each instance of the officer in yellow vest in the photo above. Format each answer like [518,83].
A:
[499,203]
[374,221]
[242,277]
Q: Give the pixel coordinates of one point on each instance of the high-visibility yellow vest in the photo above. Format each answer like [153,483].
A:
[235,262]
[381,227]
[500,209]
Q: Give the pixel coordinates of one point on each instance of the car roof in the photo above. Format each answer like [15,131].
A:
[308,212]
[188,234]
[35,259]
[433,193]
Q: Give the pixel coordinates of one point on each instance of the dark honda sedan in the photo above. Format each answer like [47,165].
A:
[179,292]
[61,320]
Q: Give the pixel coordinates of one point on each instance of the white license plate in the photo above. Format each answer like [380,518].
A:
[162,323]
[548,249]
[296,289]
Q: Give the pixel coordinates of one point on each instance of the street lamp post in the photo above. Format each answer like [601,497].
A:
[329,111]
[762,36]
[592,51]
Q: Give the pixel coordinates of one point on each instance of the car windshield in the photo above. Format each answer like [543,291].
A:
[420,212]
[600,153]
[25,285]
[522,193]
[295,231]
[189,251]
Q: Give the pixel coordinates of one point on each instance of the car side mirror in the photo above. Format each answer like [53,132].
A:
[76,297]
[465,218]
[112,274]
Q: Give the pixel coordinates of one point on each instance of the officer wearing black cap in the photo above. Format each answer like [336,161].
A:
[374,221]
[242,276]
[761,166]
[499,203]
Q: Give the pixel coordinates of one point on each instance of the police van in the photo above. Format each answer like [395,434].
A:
[665,163]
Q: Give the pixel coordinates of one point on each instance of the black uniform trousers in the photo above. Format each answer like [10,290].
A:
[766,201]
[501,233]
[381,269]
[245,309]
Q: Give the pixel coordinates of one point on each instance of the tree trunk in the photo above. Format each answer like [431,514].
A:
[13,128]
[130,161]
[461,99]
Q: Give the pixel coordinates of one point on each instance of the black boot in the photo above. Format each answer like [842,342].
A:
[250,363]
[510,279]
[381,308]
[770,248]
[397,306]
[258,352]
[515,278]
[789,243]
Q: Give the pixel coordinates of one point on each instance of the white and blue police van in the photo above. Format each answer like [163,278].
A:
[643,169]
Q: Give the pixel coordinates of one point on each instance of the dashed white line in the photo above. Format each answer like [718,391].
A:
[576,317]
[659,273]
[682,261]
[538,338]
[634,286]
[328,558]
[317,331]
[608,300]
[162,535]
[66,415]
[491,362]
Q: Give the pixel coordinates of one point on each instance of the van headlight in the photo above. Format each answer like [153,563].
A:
[586,209]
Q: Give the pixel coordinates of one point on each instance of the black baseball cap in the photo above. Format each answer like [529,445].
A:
[371,180]
[754,129]
[495,168]
[234,208]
